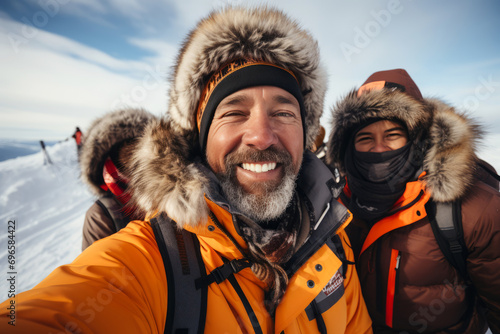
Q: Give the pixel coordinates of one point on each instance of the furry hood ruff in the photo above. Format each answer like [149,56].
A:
[167,176]
[103,134]
[167,171]
[449,138]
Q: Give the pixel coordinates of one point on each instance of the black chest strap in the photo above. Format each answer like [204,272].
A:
[180,250]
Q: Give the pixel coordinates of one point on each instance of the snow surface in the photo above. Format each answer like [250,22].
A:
[48,204]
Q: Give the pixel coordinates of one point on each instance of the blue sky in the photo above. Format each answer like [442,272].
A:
[66,62]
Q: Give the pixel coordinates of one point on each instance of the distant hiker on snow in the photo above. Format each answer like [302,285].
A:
[46,158]
[426,228]
[78,137]
[228,175]
[106,152]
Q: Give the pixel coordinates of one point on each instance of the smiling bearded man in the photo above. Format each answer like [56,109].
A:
[232,162]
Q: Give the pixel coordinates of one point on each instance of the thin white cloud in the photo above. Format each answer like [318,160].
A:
[163,52]
[20,38]
[130,8]
[82,8]
[45,85]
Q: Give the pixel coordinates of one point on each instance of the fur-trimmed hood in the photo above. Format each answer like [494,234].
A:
[168,176]
[104,134]
[447,138]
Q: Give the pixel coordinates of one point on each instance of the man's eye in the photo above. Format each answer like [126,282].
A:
[232,113]
[363,139]
[394,135]
[284,113]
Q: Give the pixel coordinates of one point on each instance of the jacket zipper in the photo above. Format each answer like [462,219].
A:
[226,233]
[392,282]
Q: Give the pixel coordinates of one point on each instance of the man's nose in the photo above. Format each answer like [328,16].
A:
[379,146]
[259,131]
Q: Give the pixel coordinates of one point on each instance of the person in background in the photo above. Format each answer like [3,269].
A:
[106,151]
[78,137]
[403,156]
[230,165]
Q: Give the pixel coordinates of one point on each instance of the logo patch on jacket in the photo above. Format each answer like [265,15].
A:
[331,293]
[336,282]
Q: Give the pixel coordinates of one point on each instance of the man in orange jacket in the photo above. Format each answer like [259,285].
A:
[231,164]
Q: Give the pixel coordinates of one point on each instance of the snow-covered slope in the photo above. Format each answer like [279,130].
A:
[48,204]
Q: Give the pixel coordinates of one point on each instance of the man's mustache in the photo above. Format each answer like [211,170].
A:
[252,155]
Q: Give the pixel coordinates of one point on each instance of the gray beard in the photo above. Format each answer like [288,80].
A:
[275,199]
[260,208]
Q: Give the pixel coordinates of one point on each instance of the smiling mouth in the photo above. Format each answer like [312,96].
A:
[259,168]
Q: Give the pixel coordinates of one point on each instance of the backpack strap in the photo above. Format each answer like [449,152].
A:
[222,273]
[180,250]
[487,174]
[114,211]
[446,223]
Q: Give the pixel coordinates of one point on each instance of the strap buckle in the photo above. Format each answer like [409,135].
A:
[220,274]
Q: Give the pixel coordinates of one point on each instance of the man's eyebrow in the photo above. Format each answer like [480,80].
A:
[359,134]
[395,128]
[233,100]
[285,100]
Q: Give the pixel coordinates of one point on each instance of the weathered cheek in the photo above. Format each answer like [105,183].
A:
[221,141]
[212,161]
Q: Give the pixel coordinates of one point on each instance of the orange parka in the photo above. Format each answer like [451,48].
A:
[119,285]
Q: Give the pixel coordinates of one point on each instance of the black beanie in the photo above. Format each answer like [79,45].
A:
[237,75]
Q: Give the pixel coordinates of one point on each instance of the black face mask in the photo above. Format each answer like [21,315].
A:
[377,180]
[380,167]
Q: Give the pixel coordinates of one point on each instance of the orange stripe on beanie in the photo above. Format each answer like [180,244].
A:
[391,79]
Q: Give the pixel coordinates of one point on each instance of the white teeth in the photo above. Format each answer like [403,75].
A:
[259,168]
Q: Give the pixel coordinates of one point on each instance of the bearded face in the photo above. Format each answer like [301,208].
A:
[255,145]
[264,200]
